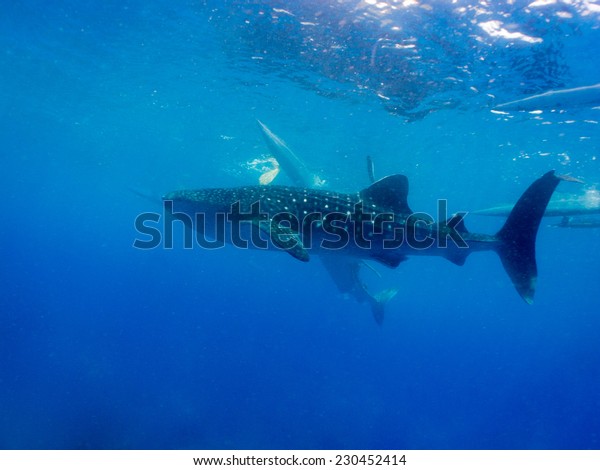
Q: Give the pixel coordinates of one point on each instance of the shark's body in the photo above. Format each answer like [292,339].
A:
[384,202]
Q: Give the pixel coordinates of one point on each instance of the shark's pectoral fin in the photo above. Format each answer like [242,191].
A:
[389,258]
[284,238]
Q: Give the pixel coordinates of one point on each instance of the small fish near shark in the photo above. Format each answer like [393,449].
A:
[374,224]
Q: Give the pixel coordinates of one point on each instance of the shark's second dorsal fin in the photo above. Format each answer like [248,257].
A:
[458,221]
[390,192]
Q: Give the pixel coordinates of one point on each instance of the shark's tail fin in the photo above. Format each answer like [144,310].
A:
[379,301]
[517,236]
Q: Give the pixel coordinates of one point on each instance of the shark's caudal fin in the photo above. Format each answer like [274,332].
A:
[517,236]
[378,303]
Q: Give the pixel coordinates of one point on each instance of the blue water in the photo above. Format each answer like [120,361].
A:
[106,346]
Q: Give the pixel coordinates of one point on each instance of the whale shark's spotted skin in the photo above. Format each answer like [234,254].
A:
[273,199]
[384,216]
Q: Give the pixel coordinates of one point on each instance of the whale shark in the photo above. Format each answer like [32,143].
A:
[375,224]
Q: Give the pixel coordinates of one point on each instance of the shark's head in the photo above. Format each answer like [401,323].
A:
[200,200]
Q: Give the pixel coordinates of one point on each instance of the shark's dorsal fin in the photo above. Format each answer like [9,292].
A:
[390,192]
[458,221]
[284,238]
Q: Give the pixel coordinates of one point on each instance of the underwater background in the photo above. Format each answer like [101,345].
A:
[106,346]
